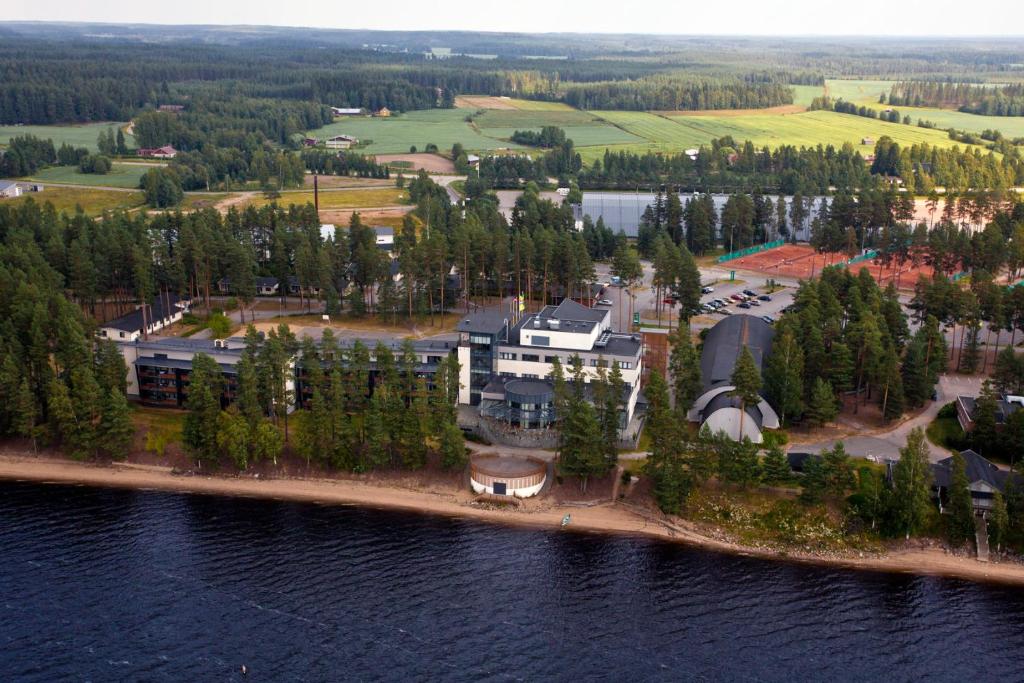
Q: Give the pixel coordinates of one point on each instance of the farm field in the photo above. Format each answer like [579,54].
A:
[803,94]
[93,201]
[122,175]
[677,132]
[507,103]
[78,136]
[396,134]
[337,199]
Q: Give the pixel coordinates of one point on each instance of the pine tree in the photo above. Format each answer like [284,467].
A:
[910,500]
[672,482]
[233,438]
[839,476]
[783,377]
[998,521]
[960,520]
[775,467]
[199,433]
[452,447]
[25,413]
[684,368]
[115,431]
[580,453]
[746,380]
[814,482]
[984,438]
[822,407]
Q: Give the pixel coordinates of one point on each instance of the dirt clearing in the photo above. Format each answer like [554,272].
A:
[431,163]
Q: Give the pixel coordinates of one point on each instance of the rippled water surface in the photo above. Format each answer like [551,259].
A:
[111,585]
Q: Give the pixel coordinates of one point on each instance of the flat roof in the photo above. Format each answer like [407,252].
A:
[488,322]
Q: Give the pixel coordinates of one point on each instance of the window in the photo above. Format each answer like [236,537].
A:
[433,359]
[479,339]
[505,355]
[626,365]
[507,374]
[550,359]
[527,375]
[531,357]
[541,341]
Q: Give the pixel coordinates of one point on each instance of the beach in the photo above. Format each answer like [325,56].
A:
[610,517]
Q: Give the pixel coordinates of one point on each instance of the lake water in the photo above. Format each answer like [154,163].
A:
[113,585]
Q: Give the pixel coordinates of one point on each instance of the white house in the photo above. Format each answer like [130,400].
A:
[165,310]
[9,190]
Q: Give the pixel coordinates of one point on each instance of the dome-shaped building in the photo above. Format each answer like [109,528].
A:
[715,408]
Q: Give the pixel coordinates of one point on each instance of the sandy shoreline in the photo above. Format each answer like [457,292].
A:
[609,518]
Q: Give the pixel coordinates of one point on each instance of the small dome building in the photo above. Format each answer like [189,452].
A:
[507,476]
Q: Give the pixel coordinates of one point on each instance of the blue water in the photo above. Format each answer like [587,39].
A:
[112,585]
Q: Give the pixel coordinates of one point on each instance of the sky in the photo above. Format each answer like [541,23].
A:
[717,17]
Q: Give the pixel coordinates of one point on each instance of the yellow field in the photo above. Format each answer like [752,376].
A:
[338,199]
[92,201]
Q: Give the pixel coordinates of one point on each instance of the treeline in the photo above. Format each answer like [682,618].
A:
[987,100]
[333,162]
[547,136]
[673,93]
[922,167]
[58,385]
[345,426]
[846,336]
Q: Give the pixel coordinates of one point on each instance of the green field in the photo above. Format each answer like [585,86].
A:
[861,92]
[93,201]
[78,136]
[669,133]
[122,175]
[803,94]
[393,135]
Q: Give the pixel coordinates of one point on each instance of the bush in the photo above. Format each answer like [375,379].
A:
[95,163]
[948,410]
[219,325]
[774,437]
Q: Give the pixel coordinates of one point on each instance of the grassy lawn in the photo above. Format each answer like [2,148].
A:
[83,135]
[122,175]
[161,426]
[93,201]
[342,199]
[370,323]
[945,432]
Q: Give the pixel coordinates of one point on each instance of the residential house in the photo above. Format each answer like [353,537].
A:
[983,479]
[165,152]
[165,310]
[383,112]
[966,407]
[310,142]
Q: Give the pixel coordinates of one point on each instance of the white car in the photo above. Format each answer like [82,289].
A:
[604,302]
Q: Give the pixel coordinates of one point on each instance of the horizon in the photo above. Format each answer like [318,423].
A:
[729,18]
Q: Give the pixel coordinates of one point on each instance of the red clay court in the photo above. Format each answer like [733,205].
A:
[802,262]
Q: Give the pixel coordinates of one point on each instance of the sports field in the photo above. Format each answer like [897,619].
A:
[803,262]
[93,201]
[122,175]
[83,135]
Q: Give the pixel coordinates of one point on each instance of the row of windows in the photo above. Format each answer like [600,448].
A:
[534,358]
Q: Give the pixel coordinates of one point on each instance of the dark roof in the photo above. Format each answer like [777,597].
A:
[132,322]
[233,345]
[797,460]
[724,400]
[1004,408]
[179,363]
[723,344]
[978,469]
[571,310]
[485,322]
[266,281]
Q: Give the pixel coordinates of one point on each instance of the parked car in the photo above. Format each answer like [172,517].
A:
[749,292]
[754,302]
[724,311]
[604,302]
[670,300]
[743,304]
[768,319]
[736,297]
[705,308]
[707,290]
[764,297]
